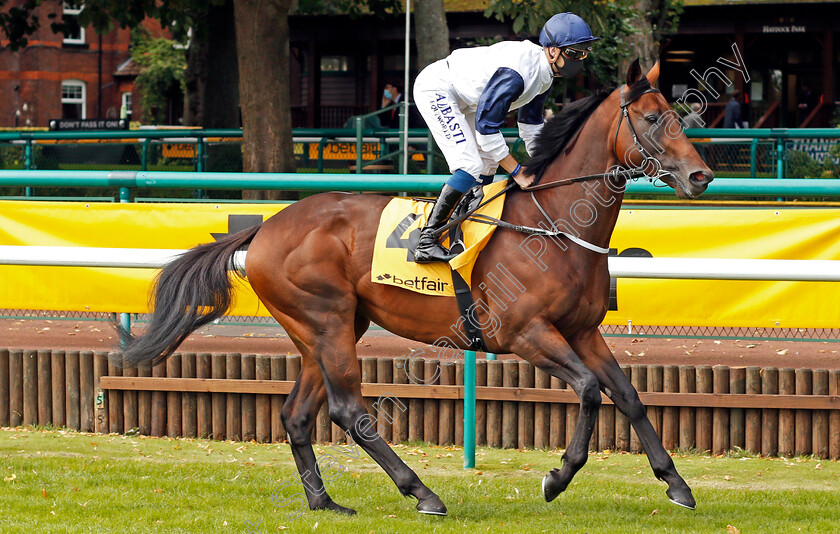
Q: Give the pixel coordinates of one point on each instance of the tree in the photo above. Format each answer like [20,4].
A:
[262,43]
[628,28]
[262,49]
[431,32]
[18,22]
[655,19]
[162,66]
[212,75]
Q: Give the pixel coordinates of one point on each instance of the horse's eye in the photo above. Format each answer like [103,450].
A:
[651,119]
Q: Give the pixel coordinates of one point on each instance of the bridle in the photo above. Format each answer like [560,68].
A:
[553,231]
[630,174]
[625,103]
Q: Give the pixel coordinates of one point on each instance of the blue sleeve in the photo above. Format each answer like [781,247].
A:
[532,112]
[504,87]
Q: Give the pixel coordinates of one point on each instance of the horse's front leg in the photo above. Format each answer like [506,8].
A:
[546,348]
[594,352]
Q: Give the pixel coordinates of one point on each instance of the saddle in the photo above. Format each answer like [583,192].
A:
[399,230]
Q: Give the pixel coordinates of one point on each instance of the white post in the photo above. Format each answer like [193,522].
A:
[406,88]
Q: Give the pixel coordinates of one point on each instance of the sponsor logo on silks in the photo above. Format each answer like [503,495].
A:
[449,124]
[425,283]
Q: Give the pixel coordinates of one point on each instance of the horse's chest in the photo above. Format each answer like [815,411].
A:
[584,303]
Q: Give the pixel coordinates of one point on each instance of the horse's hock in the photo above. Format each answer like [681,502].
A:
[231,396]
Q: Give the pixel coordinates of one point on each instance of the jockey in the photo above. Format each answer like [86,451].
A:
[465,98]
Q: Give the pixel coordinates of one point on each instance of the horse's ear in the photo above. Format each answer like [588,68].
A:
[634,72]
[653,74]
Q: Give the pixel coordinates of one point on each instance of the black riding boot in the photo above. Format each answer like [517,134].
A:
[428,250]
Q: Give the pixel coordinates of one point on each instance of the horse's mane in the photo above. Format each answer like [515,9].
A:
[560,129]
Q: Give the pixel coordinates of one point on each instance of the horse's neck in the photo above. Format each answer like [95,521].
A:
[588,209]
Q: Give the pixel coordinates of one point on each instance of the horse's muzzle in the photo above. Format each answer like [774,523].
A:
[701,178]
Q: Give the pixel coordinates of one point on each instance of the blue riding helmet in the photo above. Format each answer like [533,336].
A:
[566,29]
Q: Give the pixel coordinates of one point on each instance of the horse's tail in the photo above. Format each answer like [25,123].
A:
[189,292]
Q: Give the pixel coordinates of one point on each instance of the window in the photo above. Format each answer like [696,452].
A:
[333,64]
[75,33]
[125,106]
[73,100]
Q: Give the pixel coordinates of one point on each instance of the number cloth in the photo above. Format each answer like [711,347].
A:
[397,236]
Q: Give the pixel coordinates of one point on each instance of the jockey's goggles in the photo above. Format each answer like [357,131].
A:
[575,54]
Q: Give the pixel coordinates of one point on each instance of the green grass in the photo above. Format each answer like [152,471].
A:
[63,481]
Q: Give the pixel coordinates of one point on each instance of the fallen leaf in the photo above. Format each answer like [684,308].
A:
[732,530]
[44,493]
[10,478]
[750,346]
[654,512]
[782,352]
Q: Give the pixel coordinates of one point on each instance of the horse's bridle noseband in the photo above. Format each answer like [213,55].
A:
[629,174]
[626,115]
[553,231]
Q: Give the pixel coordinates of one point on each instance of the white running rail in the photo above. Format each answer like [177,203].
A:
[662,268]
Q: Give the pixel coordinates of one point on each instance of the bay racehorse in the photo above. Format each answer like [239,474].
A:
[310,266]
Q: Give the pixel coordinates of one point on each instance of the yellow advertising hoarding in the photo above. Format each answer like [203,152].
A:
[75,224]
[785,233]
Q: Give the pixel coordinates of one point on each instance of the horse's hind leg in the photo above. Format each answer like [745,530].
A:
[343,382]
[543,345]
[597,355]
[299,415]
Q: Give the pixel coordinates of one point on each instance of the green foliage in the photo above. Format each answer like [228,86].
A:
[11,156]
[17,22]
[354,8]
[176,15]
[162,64]
[801,165]
[615,22]
[681,108]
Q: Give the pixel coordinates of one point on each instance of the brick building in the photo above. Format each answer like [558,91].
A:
[75,75]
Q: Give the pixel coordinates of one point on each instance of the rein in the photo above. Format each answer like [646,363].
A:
[632,174]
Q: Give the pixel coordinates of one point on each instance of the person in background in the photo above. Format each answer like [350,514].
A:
[465,99]
[732,117]
[392,94]
[692,119]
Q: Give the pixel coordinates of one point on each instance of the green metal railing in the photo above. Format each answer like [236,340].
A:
[753,141]
[128,180]
[777,135]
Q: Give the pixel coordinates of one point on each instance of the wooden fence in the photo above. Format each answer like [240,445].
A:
[232,396]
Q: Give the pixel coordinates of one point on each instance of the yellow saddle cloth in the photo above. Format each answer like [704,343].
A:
[397,236]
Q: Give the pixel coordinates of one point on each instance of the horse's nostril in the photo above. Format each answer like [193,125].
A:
[700,177]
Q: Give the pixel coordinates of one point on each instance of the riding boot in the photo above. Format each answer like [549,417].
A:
[428,250]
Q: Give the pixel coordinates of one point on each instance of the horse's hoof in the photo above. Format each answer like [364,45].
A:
[432,506]
[682,497]
[552,486]
[336,508]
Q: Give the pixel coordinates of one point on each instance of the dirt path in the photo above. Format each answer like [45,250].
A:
[98,335]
